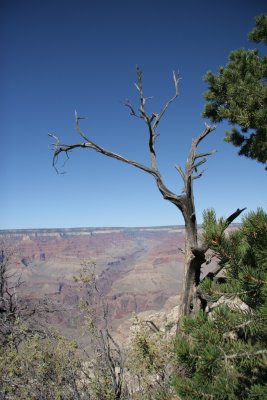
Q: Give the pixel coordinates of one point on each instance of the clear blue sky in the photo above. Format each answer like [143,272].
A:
[58,56]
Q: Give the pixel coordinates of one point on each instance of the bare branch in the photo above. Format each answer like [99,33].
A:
[139,87]
[191,164]
[195,166]
[233,216]
[90,145]
[132,110]
[206,131]
[205,247]
[56,146]
[210,153]
[77,127]
[66,148]
[152,325]
[245,355]
[176,80]
[156,117]
[199,175]
[181,172]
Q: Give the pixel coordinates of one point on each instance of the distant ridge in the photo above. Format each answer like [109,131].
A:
[84,230]
[90,230]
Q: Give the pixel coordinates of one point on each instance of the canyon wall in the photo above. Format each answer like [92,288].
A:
[140,269]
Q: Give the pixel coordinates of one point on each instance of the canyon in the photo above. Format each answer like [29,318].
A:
[139,270]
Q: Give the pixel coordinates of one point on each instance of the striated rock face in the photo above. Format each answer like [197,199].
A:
[163,321]
[140,269]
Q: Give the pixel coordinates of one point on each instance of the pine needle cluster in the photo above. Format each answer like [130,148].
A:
[221,353]
[237,94]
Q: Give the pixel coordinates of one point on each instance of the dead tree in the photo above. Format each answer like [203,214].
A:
[194,251]
[106,356]
[10,306]
[19,317]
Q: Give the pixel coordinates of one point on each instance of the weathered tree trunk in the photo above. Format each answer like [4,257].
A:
[192,267]
[193,255]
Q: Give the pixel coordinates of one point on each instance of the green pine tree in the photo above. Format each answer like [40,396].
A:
[238,94]
[221,353]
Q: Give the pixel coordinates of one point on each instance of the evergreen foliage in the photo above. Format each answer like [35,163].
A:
[238,94]
[221,353]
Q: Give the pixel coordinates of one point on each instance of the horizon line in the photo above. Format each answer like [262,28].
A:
[85,228]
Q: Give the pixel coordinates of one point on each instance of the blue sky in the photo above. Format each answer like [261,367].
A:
[59,56]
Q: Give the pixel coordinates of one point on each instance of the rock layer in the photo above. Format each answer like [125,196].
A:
[139,269]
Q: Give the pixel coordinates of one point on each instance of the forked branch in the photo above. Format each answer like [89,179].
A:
[152,120]
[190,173]
[176,80]
[87,143]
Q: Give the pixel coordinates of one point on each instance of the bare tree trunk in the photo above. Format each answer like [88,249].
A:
[192,267]
[191,278]
[194,254]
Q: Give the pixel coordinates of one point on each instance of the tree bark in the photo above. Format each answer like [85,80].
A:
[192,265]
